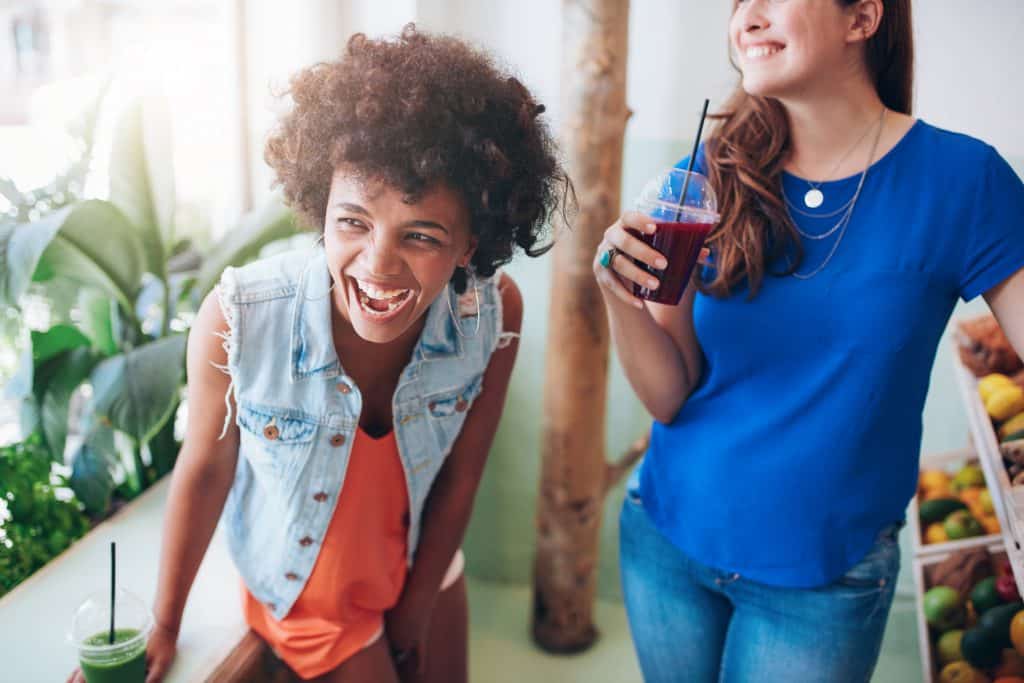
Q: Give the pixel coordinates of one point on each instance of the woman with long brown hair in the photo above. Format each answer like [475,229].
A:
[758,538]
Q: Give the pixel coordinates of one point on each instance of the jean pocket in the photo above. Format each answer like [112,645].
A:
[879,568]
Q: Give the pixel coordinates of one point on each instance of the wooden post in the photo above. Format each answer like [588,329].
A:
[575,474]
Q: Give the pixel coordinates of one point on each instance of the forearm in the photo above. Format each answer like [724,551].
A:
[445,519]
[656,368]
[194,505]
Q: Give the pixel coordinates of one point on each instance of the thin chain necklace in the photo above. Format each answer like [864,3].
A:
[847,207]
[844,222]
[814,197]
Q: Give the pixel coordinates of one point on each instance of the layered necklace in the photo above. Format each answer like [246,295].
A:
[814,198]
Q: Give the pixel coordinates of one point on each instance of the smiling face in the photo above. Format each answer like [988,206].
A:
[391,259]
[787,47]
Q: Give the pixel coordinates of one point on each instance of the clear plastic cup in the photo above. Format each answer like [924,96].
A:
[683,223]
[124,661]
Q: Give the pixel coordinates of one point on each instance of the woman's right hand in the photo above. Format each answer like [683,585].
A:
[617,278]
[160,651]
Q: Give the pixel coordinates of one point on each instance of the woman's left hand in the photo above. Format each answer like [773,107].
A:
[406,626]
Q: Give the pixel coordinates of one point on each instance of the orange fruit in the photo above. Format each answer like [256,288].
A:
[990,523]
[930,479]
[935,533]
[971,495]
[1017,632]
[937,492]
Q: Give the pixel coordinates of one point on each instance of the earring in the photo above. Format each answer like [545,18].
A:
[455,318]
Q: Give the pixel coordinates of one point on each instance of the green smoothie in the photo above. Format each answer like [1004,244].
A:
[122,662]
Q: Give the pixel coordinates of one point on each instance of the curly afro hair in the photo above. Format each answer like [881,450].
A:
[419,110]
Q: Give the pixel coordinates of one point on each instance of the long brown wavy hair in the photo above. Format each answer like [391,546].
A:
[747,149]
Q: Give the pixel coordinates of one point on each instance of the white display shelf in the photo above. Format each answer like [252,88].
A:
[987,447]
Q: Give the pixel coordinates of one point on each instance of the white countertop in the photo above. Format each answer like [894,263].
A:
[35,617]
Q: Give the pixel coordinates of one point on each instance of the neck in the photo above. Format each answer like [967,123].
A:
[824,127]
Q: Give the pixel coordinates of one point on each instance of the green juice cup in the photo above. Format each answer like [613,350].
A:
[124,660]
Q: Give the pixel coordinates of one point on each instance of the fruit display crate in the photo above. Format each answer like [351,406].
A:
[983,436]
[947,462]
[923,568]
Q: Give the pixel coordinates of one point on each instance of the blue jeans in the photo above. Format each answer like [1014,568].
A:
[696,624]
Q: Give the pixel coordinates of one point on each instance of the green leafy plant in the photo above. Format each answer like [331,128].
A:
[39,516]
[108,370]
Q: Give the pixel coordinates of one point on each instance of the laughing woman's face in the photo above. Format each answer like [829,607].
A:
[390,259]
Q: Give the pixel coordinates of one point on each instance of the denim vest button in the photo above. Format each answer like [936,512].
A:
[344,388]
[271,432]
[320,496]
[291,576]
[272,606]
[306,541]
[337,440]
[461,405]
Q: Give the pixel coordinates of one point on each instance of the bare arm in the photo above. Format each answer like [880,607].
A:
[656,344]
[450,502]
[202,475]
[1007,303]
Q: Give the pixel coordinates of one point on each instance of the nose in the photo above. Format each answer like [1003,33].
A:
[751,16]
[382,257]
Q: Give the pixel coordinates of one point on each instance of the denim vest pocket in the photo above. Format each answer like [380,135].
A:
[446,411]
[274,440]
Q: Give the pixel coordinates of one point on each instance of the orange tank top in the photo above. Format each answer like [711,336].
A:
[359,572]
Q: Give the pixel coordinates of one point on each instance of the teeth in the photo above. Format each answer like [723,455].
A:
[374,293]
[761,51]
[392,305]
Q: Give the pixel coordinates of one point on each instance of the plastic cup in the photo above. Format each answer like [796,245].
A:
[683,223]
[124,661]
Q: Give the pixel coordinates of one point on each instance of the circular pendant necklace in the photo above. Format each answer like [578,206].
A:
[814,197]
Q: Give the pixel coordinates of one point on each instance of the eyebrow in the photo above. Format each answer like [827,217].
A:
[355,208]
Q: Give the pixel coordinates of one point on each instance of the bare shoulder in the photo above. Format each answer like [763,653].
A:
[511,303]
[209,330]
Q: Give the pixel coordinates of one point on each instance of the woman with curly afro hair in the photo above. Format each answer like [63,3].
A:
[343,399]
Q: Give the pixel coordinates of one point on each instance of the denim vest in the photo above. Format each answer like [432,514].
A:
[298,411]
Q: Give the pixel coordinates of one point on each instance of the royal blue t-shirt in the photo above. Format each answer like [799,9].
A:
[800,441]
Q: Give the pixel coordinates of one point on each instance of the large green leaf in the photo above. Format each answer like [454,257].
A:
[142,176]
[56,340]
[99,320]
[137,391]
[21,247]
[92,467]
[74,369]
[103,234]
[272,221]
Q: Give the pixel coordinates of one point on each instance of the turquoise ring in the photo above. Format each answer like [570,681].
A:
[608,256]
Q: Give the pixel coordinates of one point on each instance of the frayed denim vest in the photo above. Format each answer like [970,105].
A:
[297,411]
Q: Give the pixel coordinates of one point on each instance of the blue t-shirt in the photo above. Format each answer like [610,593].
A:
[800,441]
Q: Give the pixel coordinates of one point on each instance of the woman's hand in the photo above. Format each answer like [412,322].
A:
[160,651]
[618,271]
[617,274]
[407,625]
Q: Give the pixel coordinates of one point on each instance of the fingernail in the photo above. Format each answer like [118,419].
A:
[639,304]
[651,228]
[652,284]
[660,263]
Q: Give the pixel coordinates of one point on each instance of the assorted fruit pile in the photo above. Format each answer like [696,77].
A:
[1004,403]
[976,619]
[952,507]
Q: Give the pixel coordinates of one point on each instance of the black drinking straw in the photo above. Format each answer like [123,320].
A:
[113,576]
[693,157]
